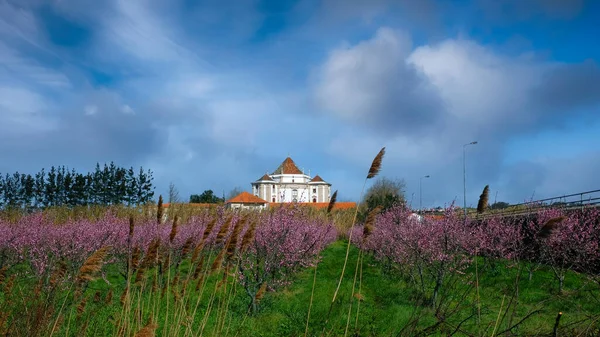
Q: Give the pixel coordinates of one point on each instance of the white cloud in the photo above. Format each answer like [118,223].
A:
[90,110]
[23,111]
[372,84]
[386,88]
[126,109]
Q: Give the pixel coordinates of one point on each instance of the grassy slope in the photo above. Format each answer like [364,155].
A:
[389,301]
[388,306]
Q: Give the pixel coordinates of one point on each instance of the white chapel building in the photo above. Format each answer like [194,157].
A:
[289,184]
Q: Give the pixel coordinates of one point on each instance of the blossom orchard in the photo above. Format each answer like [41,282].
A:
[285,239]
[430,249]
[285,242]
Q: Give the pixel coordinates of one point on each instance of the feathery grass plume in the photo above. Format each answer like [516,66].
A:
[159,209]
[97,297]
[209,229]
[165,261]
[225,274]
[175,280]
[9,285]
[151,254]
[135,258]
[550,226]
[218,261]
[81,306]
[4,315]
[59,322]
[199,267]
[38,288]
[124,295]
[84,327]
[261,292]
[199,282]
[131,228]
[92,265]
[176,294]
[200,246]
[149,330]
[483,200]
[58,274]
[376,164]
[3,274]
[184,286]
[139,277]
[148,261]
[248,236]
[173,230]
[223,230]
[155,285]
[373,171]
[109,297]
[233,239]
[370,222]
[187,247]
[332,202]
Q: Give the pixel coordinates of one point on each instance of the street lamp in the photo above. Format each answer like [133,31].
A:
[465,178]
[420,193]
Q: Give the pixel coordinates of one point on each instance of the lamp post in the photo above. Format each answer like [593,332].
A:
[465,178]
[420,194]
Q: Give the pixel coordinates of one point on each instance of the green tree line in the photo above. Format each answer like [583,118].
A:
[59,186]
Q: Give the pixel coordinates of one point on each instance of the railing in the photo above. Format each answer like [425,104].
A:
[568,202]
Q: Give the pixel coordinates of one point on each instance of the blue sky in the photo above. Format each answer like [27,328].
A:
[213,94]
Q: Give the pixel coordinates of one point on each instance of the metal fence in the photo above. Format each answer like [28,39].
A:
[568,202]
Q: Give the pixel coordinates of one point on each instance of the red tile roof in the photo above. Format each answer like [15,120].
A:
[317,179]
[318,205]
[246,198]
[265,177]
[288,167]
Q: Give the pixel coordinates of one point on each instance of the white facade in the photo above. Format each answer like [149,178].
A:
[289,184]
[242,206]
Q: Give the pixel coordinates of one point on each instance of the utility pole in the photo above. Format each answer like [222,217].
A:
[420,193]
[465,179]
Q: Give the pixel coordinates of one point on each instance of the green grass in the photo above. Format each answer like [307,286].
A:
[390,302]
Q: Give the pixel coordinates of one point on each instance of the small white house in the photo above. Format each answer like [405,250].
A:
[416,216]
[246,201]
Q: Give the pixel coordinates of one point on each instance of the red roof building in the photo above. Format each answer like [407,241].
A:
[289,183]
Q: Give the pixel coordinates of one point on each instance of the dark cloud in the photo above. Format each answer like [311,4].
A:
[508,11]
[569,86]
[97,127]
[542,178]
[370,84]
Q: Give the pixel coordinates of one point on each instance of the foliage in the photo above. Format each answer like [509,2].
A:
[111,185]
[432,248]
[284,244]
[499,205]
[384,192]
[234,192]
[173,194]
[207,197]
[153,276]
[148,258]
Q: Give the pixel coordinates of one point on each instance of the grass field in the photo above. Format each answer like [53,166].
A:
[390,305]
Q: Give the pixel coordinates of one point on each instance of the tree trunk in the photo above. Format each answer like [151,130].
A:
[561,281]
[438,285]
